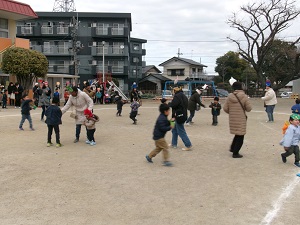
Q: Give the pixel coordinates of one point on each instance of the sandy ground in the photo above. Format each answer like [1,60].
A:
[111,183]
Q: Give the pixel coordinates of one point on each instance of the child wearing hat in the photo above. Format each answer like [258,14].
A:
[215,110]
[90,121]
[296,108]
[53,120]
[291,140]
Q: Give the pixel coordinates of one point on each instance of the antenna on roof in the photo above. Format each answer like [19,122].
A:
[178,53]
[64,6]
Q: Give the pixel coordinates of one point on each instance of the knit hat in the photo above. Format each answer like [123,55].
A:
[88,112]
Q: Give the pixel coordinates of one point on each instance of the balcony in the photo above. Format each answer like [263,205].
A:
[46,30]
[25,30]
[60,30]
[109,32]
[57,50]
[101,31]
[58,69]
[197,76]
[109,51]
[117,31]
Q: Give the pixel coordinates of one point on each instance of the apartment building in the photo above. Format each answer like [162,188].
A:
[78,42]
[10,12]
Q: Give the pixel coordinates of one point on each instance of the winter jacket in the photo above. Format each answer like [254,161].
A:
[162,126]
[120,103]
[53,114]
[215,108]
[193,101]
[291,136]
[270,97]
[25,107]
[90,122]
[44,96]
[180,101]
[296,108]
[237,118]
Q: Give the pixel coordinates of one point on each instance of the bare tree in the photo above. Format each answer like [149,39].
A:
[261,27]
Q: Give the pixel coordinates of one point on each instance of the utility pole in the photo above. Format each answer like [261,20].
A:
[76,45]
[64,6]
[178,53]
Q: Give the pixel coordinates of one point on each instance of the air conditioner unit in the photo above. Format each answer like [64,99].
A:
[94,43]
[94,62]
[94,25]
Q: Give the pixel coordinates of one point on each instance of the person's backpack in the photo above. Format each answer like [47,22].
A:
[285,126]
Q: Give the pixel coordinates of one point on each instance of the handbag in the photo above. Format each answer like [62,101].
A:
[241,106]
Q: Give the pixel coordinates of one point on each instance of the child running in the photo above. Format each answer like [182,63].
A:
[120,104]
[134,109]
[90,121]
[291,139]
[162,126]
[53,120]
[25,111]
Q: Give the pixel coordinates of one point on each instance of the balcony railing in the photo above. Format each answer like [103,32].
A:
[58,69]
[62,30]
[101,31]
[117,31]
[26,30]
[99,50]
[117,69]
[47,30]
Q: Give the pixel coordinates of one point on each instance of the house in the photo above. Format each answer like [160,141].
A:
[88,44]
[183,68]
[10,13]
[151,69]
[153,83]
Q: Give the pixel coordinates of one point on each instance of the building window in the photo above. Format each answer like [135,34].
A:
[175,72]
[3,28]
[117,29]
[136,47]
[102,29]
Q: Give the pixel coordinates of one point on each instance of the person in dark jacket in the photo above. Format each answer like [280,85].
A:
[192,105]
[35,93]
[162,126]
[53,120]
[179,102]
[120,104]
[215,110]
[18,94]
[25,111]
[11,93]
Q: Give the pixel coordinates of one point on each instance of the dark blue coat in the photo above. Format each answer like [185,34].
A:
[162,126]
[53,114]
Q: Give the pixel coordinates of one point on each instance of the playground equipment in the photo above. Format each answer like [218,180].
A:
[188,86]
[111,83]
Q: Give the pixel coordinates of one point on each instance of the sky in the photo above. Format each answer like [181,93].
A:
[195,28]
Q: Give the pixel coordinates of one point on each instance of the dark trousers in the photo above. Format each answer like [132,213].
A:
[133,115]
[18,102]
[44,107]
[26,117]
[119,112]
[293,149]
[4,104]
[90,134]
[237,144]
[192,114]
[215,119]
[56,130]
[78,130]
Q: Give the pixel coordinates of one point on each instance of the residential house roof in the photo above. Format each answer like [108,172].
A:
[16,10]
[150,67]
[157,76]
[189,61]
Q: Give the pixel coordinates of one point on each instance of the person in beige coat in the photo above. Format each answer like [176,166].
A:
[236,105]
[79,101]
[270,102]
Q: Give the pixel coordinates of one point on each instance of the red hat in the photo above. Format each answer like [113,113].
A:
[88,112]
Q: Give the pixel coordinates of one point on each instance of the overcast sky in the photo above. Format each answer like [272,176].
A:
[197,27]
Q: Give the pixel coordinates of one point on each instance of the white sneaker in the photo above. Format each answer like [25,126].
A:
[188,124]
[87,142]
[172,146]
[187,149]
[92,143]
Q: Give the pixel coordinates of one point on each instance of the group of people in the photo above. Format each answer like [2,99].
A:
[12,96]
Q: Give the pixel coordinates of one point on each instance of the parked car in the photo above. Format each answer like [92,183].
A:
[286,94]
[222,92]
[167,94]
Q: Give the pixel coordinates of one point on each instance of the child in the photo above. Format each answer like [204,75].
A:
[120,104]
[90,121]
[25,111]
[291,139]
[134,109]
[56,95]
[53,115]
[215,110]
[98,96]
[162,126]
[66,96]
[296,108]
[4,99]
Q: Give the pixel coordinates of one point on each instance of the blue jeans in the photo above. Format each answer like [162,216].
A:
[179,130]
[24,117]
[269,110]
[78,129]
[192,114]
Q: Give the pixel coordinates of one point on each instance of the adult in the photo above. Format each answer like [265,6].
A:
[179,106]
[35,93]
[80,101]
[18,94]
[192,105]
[236,105]
[44,93]
[270,101]
[89,91]
[11,93]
